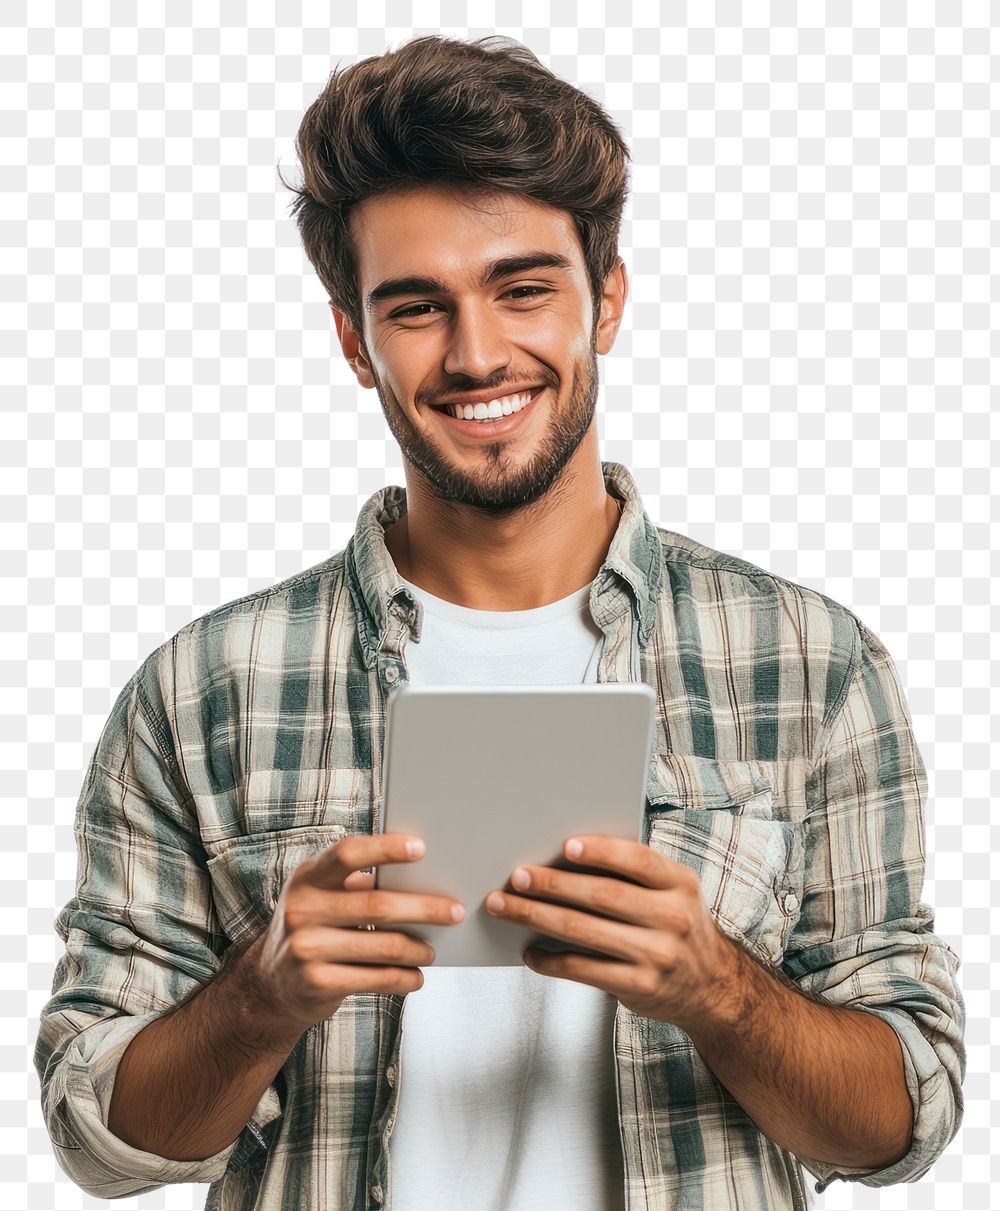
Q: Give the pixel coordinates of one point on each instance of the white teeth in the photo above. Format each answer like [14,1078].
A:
[495,408]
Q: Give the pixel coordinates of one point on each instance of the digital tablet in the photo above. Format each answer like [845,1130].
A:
[496,777]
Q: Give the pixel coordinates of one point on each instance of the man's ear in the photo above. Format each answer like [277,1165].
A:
[354,350]
[612,307]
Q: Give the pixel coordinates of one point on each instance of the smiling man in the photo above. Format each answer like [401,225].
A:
[767,994]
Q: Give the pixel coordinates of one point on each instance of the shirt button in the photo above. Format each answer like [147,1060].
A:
[376,1193]
[791,901]
[391,673]
[390,1074]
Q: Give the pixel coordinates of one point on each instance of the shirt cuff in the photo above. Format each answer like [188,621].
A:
[933,1112]
[91,1066]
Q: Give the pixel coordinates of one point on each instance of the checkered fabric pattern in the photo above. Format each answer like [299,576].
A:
[784,773]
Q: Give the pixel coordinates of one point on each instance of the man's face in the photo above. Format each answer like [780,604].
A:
[454,334]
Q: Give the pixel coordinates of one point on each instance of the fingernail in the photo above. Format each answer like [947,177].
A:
[415,848]
[521,878]
[574,848]
[457,912]
[494,901]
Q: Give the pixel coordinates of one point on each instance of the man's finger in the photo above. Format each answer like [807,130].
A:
[333,865]
[638,862]
[619,899]
[616,939]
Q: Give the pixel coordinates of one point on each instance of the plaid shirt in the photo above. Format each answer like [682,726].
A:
[785,773]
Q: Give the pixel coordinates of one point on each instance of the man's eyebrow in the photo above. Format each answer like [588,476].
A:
[502,268]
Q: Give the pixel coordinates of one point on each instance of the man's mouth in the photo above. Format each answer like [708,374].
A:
[494,410]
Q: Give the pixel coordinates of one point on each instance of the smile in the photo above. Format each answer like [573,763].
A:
[493,419]
[503,405]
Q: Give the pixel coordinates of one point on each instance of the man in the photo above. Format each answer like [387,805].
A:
[772,992]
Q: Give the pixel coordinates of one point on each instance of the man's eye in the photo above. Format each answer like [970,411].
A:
[409,311]
[412,311]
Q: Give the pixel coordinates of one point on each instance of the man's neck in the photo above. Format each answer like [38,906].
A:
[539,555]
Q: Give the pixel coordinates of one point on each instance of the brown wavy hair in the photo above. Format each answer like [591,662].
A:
[485,114]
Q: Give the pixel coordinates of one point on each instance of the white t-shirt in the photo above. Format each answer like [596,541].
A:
[506,1077]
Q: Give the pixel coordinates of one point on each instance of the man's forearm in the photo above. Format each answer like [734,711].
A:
[187,1084]
[822,1081]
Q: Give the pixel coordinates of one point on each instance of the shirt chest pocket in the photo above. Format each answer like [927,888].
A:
[289,815]
[717,817]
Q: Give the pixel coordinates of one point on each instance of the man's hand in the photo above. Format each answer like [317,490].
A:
[668,959]
[316,950]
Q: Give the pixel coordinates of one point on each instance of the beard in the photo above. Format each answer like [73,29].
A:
[501,484]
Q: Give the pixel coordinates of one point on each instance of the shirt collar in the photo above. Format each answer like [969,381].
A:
[635,556]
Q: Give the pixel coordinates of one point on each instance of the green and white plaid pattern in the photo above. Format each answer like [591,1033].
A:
[785,773]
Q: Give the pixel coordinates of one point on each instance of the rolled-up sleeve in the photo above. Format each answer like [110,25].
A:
[865,939]
[141,936]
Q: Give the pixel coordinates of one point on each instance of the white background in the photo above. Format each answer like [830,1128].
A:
[803,378]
